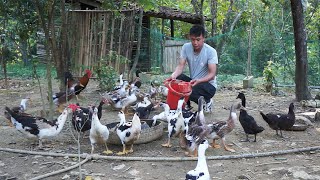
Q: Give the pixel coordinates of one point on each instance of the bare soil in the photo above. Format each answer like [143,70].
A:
[302,165]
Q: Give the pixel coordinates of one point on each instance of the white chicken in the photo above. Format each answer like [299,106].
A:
[98,132]
[128,132]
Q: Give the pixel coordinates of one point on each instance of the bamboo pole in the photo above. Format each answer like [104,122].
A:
[136,158]
[119,44]
[111,38]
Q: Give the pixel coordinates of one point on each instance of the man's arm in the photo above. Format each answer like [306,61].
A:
[212,68]
[178,69]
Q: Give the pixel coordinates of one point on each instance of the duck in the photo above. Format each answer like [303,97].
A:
[197,131]
[144,112]
[18,110]
[22,107]
[175,121]
[81,117]
[128,132]
[39,127]
[123,103]
[280,121]
[247,122]
[98,133]
[201,171]
[219,130]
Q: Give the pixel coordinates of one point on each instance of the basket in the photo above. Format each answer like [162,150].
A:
[177,89]
[148,133]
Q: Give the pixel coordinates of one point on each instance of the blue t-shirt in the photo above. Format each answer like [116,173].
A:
[198,63]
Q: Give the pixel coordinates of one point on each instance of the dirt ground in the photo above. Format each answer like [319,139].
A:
[302,165]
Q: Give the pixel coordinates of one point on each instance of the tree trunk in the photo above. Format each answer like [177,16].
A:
[136,59]
[301,77]
[213,10]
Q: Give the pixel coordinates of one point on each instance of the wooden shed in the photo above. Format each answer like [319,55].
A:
[97,40]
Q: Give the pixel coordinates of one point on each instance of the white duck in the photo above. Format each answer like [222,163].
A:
[201,171]
[128,132]
[176,124]
[38,127]
[98,132]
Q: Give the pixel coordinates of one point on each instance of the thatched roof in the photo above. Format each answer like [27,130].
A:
[174,14]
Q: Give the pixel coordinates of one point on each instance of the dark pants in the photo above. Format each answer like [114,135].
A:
[204,89]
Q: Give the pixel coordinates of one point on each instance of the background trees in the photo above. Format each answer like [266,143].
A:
[273,34]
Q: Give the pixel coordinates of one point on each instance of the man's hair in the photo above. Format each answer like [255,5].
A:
[197,30]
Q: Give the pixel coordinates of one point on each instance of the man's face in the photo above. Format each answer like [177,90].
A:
[197,42]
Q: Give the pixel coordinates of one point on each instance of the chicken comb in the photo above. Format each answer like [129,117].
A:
[73,107]
[88,72]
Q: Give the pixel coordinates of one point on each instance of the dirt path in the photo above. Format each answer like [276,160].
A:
[303,165]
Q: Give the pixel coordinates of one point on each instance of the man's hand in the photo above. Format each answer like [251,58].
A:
[194,82]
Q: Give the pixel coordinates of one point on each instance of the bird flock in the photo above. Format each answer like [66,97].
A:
[194,132]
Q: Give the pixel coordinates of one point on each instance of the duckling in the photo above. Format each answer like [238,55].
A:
[201,171]
[128,132]
[220,129]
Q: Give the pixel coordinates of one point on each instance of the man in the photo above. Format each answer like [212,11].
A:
[202,60]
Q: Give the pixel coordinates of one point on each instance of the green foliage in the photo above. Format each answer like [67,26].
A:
[106,75]
[269,75]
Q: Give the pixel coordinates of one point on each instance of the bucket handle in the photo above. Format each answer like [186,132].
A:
[168,83]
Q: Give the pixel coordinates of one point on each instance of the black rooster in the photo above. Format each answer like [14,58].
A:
[278,121]
[247,122]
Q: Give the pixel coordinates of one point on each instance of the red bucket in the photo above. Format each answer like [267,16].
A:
[177,89]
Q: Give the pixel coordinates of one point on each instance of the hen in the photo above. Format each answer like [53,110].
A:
[279,121]
[73,88]
[98,132]
[220,129]
[37,126]
[247,122]
[128,132]
[201,171]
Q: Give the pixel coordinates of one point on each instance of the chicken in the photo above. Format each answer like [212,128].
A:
[73,89]
[197,131]
[81,117]
[279,121]
[128,132]
[201,171]
[247,122]
[98,133]
[219,130]
[38,127]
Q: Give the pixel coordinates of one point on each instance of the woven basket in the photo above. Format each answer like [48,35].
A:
[148,133]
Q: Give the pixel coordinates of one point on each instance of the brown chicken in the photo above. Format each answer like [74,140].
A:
[74,88]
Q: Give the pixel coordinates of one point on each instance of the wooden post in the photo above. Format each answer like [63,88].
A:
[248,80]
[111,39]
[172,28]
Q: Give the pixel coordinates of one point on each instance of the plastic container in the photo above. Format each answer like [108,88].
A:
[176,90]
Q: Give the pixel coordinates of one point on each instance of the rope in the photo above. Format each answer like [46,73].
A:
[125,158]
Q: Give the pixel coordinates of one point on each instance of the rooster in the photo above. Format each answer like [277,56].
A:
[73,88]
